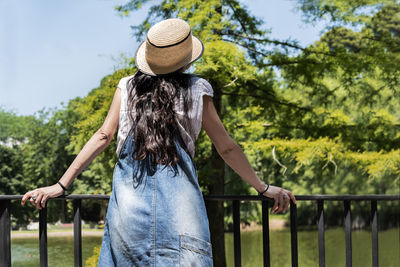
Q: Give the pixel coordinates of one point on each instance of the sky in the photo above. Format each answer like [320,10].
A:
[53,51]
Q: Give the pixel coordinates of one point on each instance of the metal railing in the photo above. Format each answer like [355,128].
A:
[5,225]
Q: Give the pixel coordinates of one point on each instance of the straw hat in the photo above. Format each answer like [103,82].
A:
[169,46]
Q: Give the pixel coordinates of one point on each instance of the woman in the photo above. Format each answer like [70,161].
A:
[156,212]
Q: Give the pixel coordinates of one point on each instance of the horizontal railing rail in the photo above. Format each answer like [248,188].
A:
[5,225]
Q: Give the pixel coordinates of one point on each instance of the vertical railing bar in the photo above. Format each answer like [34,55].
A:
[347,220]
[5,233]
[293,233]
[321,233]
[265,230]
[374,232]
[236,233]
[43,237]
[77,233]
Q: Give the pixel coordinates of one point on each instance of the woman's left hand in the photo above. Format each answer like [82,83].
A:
[42,194]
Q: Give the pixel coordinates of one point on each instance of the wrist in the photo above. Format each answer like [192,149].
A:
[263,189]
[62,186]
[260,187]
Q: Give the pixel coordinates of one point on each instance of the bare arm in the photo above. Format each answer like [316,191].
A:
[96,144]
[227,148]
[233,155]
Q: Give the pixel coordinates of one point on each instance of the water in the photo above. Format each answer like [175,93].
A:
[335,249]
[25,251]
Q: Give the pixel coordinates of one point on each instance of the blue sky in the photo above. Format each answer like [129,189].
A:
[52,51]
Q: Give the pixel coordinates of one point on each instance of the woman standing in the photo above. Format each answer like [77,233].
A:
[156,213]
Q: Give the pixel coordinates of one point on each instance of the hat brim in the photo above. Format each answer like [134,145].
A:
[143,66]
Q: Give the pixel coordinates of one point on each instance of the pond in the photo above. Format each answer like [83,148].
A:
[25,251]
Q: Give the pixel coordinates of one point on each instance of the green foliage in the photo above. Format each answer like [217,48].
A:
[341,11]
[10,170]
[45,156]
[92,261]
[312,157]
[13,128]
[350,55]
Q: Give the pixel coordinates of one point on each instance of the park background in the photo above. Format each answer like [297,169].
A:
[309,89]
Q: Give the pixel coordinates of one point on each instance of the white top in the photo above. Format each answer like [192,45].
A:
[198,87]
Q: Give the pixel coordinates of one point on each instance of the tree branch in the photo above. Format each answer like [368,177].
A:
[265,55]
[270,99]
[276,42]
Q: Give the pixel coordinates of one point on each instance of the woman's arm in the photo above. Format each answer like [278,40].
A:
[233,155]
[96,144]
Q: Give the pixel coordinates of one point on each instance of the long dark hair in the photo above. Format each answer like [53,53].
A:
[152,101]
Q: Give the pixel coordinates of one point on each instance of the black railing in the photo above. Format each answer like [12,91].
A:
[5,225]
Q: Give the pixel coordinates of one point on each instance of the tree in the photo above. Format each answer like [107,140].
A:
[328,107]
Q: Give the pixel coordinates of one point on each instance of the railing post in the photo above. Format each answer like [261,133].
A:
[5,233]
[347,222]
[374,232]
[265,229]
[293,233]
[77,233]
[236,233]
[43,237]
[321,233]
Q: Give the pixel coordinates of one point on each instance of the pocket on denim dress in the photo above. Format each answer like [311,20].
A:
[194,251]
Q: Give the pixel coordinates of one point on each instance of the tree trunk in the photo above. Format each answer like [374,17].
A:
[215,209]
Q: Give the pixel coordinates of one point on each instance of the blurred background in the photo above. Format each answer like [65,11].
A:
[308,88]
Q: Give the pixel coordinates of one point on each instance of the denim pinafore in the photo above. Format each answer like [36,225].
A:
[153,217]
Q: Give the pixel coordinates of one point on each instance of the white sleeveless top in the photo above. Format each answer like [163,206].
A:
[198,87]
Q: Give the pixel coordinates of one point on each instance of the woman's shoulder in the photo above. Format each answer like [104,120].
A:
[122,82]
[202,85]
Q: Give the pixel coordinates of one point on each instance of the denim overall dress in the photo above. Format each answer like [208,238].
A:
[154,217]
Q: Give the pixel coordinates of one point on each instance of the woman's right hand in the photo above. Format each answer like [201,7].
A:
[282,198]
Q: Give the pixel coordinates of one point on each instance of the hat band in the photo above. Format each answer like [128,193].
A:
[165,46]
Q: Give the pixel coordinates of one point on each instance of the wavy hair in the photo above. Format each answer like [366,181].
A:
[152,101]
